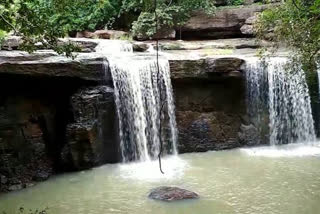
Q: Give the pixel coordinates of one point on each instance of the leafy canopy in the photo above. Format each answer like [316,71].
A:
[47,20]
[296,24]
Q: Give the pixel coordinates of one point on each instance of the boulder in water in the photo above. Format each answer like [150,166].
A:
[171,194]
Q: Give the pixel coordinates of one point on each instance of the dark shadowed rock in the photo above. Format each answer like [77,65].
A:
[92,138]
[140,46]
[15,187]
[249,135]
[41,176]
[172,194]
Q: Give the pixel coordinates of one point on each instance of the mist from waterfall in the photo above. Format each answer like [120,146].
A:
[281,88]
[140,93]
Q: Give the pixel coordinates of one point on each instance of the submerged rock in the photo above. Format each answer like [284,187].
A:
[172,194]
[41,176]
[15,187]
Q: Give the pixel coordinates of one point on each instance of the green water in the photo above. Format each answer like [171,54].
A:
[259,181]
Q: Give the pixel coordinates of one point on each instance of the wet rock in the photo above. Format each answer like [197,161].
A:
[3,179]
[205,69]
[92,138]
[41,176]
[249,135]
[15,187]
[172,194]
[140,47]
[209,114]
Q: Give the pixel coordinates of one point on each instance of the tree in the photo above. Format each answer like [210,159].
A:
[295,23]
[46,21]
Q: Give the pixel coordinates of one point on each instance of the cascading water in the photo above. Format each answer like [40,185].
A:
[141,92]
[282,88]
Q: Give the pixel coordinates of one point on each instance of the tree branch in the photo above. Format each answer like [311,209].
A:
[159,87]
[8,23]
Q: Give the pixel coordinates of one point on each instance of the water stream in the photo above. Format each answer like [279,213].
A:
[280,87]
[142,91]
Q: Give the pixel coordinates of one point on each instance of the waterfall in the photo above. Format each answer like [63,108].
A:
[140,92]
[114,47]
[280,87]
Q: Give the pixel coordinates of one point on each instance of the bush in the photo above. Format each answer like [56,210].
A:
[169,16]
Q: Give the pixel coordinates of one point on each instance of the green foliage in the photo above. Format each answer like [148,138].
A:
[295,24]
[168,15]
[44,21]
[235,2]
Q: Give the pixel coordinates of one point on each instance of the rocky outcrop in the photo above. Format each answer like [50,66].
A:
[206,69]
[103,34]
[92,66]
[226,22]
[49,64]
[248,27]
[213,45]
[209,114]
[92,138]
[170,194]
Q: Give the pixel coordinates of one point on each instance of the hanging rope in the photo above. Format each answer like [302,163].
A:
[159,86]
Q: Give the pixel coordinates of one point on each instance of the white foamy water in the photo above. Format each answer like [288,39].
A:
[173,167]
[142,89]
[281,87]
[290,150]
[114,46]
[140,92]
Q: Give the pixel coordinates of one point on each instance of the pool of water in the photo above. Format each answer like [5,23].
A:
[259,180]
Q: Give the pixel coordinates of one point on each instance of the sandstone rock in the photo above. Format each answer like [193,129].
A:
[11,43]
[86,45]
[85,34]
[225,23]
[15,187]
[92,138]
[49,64]
[41,176]
[117,34]
[140,47]
[209,114]
[247,29]
[164,33]
[172,194]
[249,135]
[102,34]
[3,179]
[99,34]
[210,68]
[251,20]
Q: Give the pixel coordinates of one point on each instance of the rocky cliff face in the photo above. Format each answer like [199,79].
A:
[58,114]
[225,23]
